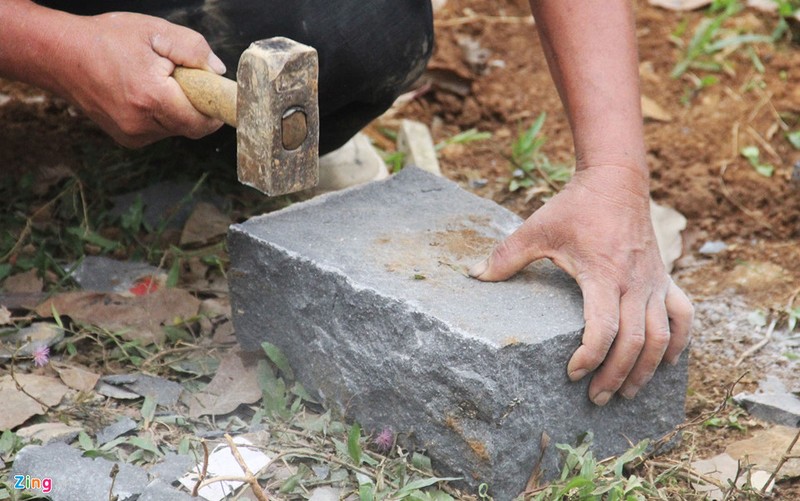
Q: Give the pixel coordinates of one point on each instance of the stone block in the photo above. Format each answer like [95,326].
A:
[365,291]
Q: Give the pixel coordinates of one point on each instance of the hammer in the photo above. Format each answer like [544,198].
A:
[273,105]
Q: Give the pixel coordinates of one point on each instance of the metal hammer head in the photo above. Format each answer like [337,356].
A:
[277,134]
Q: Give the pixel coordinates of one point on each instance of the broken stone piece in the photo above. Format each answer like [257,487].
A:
[164,391]
[414,139]
[365,291]
[772,402]
[118,428]
[73,476]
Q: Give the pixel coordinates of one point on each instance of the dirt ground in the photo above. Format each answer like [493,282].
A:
[488,73]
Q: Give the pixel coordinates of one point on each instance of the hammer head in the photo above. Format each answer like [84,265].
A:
[277,133]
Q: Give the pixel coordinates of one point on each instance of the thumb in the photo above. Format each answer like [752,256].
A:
[517,251]
[185,47]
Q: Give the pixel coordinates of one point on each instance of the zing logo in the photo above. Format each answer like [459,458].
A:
[33,483]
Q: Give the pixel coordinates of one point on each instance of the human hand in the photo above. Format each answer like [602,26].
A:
[598,230]
[117,68]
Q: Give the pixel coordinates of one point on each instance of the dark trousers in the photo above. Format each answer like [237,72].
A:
[369,50]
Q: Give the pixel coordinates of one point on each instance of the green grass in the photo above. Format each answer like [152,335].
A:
[530,166]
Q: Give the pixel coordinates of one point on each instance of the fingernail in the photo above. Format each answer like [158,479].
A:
[602,398]
[630,392]
[216,64]
[674,360]
[479,269]
[577,374]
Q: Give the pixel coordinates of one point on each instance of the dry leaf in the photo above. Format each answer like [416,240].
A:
[680,4]
[135,318]
[77,378]
[19,407]
[205,224]
[766,448]
[5,316]
[235,383]
[725,469]
[23,283]
[668,225]
[651,110]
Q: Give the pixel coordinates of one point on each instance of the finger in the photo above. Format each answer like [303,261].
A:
[601,313]
[176,114]
[624,352]
[186,47]
[517,251]
[657,336]
[681,313]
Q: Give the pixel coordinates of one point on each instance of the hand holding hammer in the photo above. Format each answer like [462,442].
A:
[273,105]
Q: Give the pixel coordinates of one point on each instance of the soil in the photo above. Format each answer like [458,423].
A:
[488,73]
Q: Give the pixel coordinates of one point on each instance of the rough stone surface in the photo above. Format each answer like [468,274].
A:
[365,292]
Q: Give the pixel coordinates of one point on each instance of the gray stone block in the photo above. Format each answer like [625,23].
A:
[365,291]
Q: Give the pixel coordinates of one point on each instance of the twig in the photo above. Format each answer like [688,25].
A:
[19,386]
[205,469]
[660,443]
[251,479]
[113,475]
[536,475]
[764,144]
[760,344]
[688,473]
[786,456]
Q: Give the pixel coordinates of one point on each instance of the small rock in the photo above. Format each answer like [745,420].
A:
[73,476]
[166,392]
[122,426]
[355,163]
[325,494]
[46,433]
[103,274]
[169,203]
[713,247]
[414,139]
[796,172]
[172,467]
[111,391]
[772,402]
[23,342]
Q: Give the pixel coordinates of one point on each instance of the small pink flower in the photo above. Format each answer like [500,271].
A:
[41,355]
[384,441]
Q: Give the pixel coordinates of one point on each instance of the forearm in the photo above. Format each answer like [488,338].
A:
[31,43]
[590,46]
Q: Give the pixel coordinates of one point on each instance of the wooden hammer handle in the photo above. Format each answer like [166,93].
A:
[209,93]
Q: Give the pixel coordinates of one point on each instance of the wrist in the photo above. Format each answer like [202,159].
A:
[35,45]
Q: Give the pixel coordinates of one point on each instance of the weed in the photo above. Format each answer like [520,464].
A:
[395,160]
[731,421]
[530,166]
[752,154]
[711,44]
[584,477]
[794,139]
[465,137]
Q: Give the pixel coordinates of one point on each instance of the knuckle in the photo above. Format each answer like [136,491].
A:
[504,250]
[197,43]
[659,337]
[636,340]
